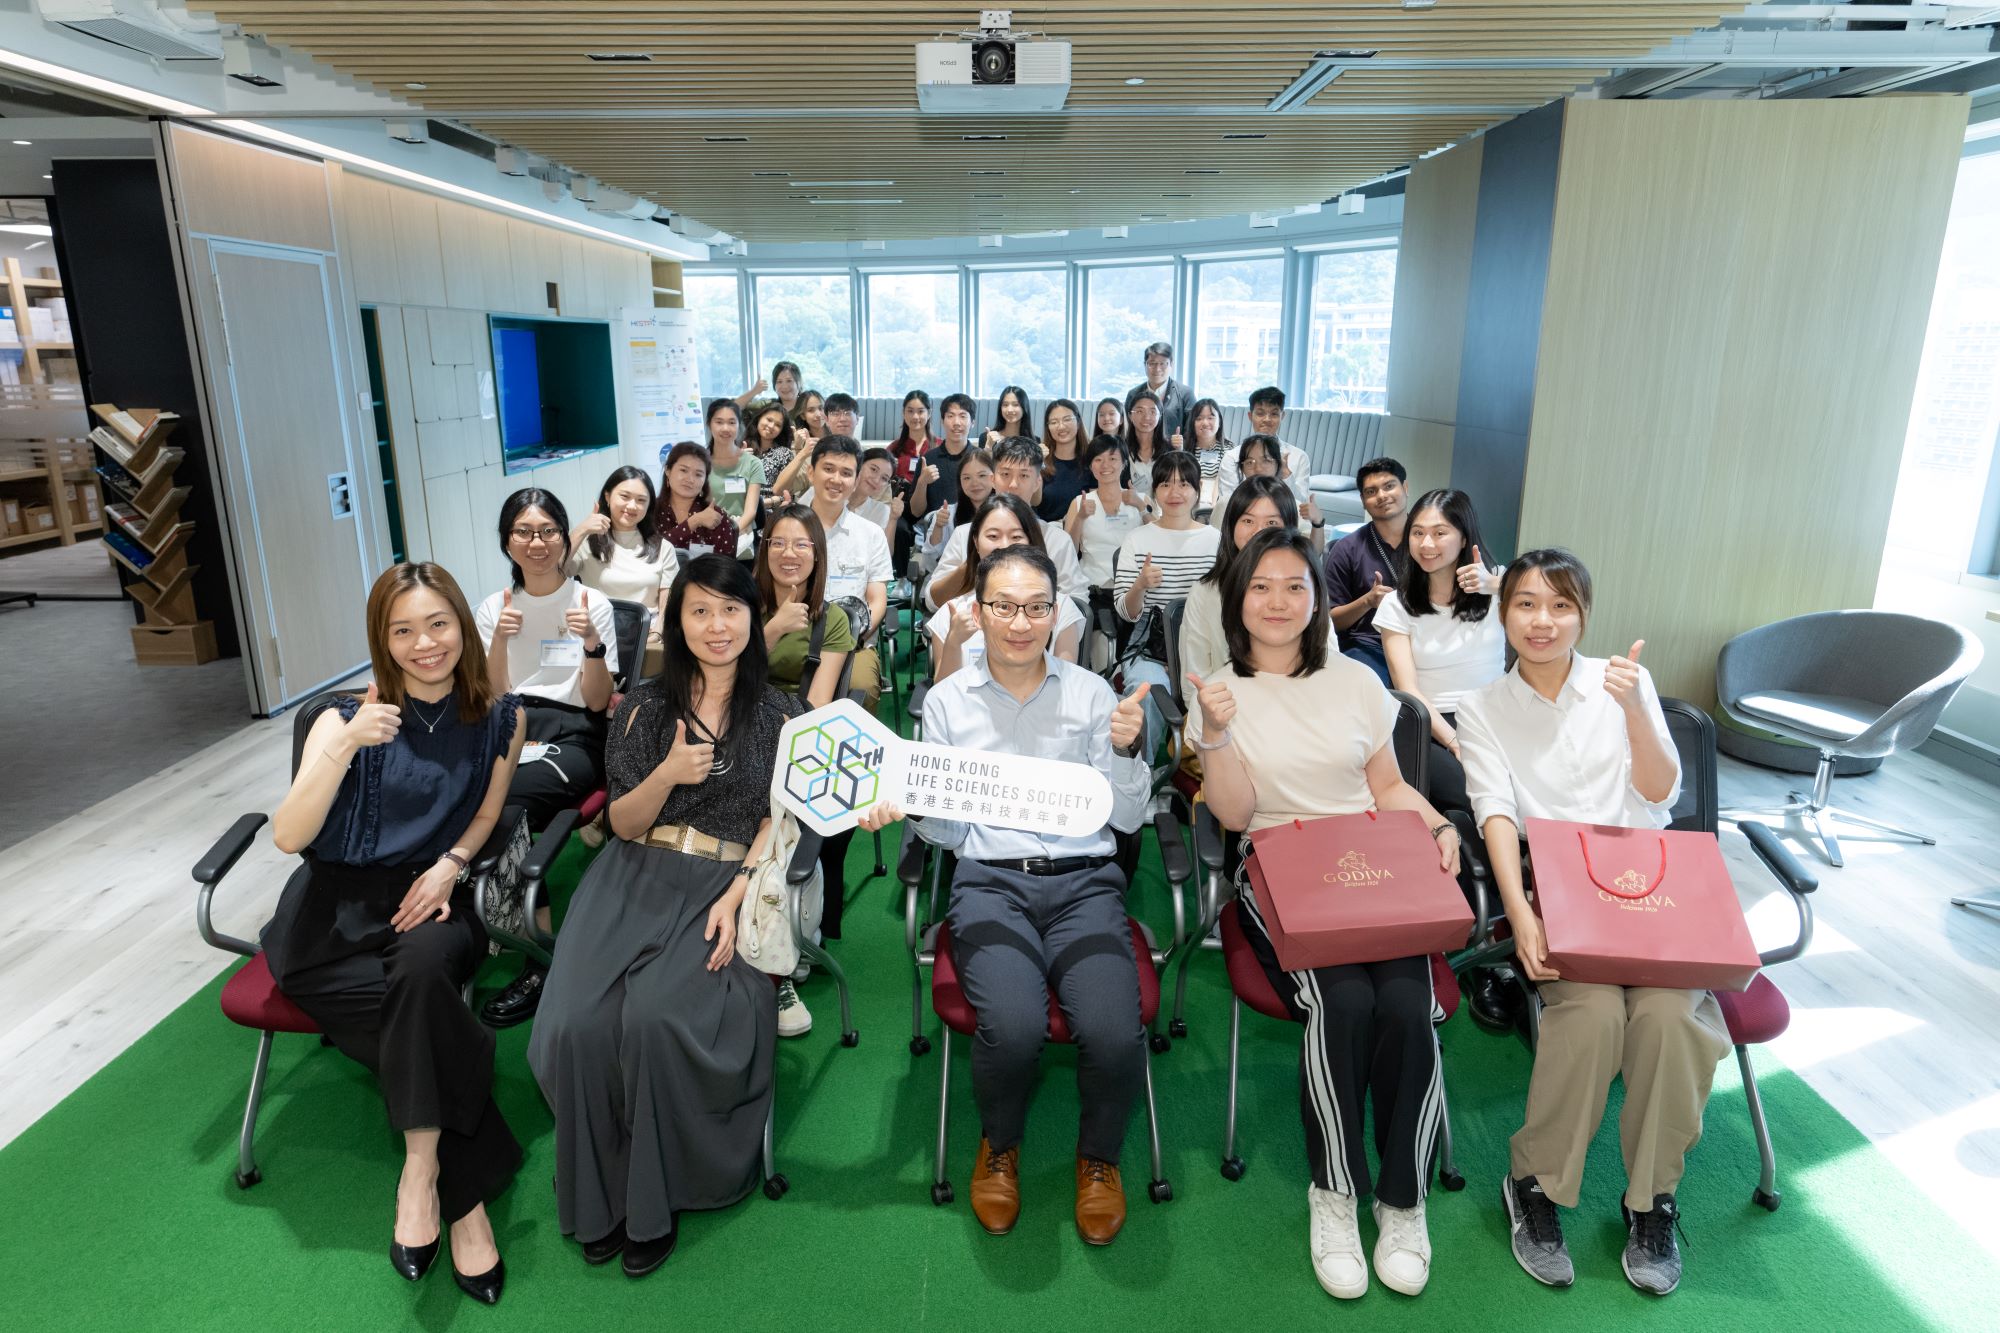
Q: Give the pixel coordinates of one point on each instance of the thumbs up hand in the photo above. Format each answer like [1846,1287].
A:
[1377,590]
[1621,678]
[509,623]
[1150,574]
[578,622]
[1087,504]
[1128,719]
[1218,705]
[1476,577]
[688,762]
[374,723]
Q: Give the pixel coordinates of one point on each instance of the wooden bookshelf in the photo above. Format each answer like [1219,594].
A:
[48,492]
[146,535]
[20,292]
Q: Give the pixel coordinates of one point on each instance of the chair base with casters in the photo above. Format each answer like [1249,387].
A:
[956,1014]
[1248,985]
[1815,818]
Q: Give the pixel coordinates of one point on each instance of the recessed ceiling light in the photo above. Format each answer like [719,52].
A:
[47,177]
[1133,82]
[24,143]
[982,138]
[1076,191]
[416,87]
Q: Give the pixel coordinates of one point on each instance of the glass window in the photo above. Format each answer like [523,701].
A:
[1946,472]
[1347,341]
[912,333]
[718,333]
[1236,301]
[1129,308]
[1021,332]
[806,318]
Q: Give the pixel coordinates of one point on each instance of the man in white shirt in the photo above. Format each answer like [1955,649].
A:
[1034,913]
[1267,414]
[1017,470]
[857,556]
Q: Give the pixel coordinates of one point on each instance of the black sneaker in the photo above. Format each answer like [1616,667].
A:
[1652,1258]
[1538,1232]
[517,1003]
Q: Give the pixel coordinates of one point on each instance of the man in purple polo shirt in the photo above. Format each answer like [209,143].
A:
[1361,567]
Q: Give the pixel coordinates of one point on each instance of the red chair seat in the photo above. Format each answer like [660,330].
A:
[1247,977]
[948,999]
[1756,1015]
[593,806]
[252,999]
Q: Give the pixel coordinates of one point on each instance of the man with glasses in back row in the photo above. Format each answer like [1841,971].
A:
[1176,399]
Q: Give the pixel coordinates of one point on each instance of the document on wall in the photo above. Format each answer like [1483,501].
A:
[666,391]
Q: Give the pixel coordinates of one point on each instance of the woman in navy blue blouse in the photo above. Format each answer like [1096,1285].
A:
[375,935]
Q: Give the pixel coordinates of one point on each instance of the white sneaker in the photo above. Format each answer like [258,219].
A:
[1403,1250]
[1336,1243]
[794,1019]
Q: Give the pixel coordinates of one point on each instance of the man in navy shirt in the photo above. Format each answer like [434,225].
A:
[1361,567]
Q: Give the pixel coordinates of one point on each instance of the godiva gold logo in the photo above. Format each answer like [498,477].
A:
[1353,868]
[1631,881]
[1652,902]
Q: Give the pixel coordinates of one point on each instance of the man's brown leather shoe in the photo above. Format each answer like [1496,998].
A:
[996,1188]
[1100,1201]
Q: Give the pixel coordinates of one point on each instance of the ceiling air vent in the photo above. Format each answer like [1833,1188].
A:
[166,32]
[619,57]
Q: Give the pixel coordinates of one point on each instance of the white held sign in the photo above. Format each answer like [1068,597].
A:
[837,761]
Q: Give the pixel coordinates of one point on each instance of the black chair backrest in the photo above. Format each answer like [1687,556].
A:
[630,620]
[309,711]
[1412,739]
[1698,807]
[1176,611]
[810,668]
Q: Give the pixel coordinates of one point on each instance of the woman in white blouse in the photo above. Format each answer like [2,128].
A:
[1564,736]
[1255,504]
[1290,731]
[618,550]
[1439,632]
[1101,517]
[1004,520]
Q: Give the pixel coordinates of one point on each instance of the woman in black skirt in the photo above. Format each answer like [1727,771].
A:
[376,935]
[654,1042]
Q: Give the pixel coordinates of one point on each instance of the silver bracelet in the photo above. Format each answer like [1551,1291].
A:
[1217,745]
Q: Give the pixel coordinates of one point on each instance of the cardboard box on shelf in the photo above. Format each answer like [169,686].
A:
[38,518]
[11,522]
[80,498]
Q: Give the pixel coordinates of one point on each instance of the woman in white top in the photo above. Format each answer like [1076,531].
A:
[1207,443]
[975,484]
[554,642]
[1264,456]
[1291,731]
[1143,441]
[1256,504]
[1158,563]
[1003,521]
[1564,736]
[618,550]
[1439,634]
[1098,520]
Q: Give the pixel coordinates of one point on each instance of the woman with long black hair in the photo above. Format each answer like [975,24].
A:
[655,1041]
[1012,415]
[619,551]
[1063,476]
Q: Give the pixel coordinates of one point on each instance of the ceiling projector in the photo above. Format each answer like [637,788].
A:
[992,68]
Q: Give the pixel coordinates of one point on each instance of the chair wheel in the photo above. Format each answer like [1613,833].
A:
[850,1039]
[1767,1199]
[775,1187]
[881,869]
[941,1192]
[1160,1191]
[920,1046]
[1451,1180]
[1177,1028]
[245,1179]
[1161,1045]
[1232,1168]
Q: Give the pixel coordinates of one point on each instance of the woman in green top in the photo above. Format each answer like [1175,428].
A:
[791,575]
[736,476]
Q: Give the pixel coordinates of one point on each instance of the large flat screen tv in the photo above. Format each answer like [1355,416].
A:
[553,388]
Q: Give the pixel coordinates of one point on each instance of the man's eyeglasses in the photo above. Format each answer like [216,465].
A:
[1008,610]
[528,536]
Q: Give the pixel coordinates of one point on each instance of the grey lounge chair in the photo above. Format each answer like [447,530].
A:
[1862,683]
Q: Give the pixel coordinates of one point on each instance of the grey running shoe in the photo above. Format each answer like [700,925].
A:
[1652,1258]
[1538,1232]
[794,1019]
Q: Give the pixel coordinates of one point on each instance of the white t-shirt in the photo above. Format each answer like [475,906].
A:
[857,554]
[1102,532]
[939,625]
[875,511]
[1204,652]
[1308,739]
[545,660]
[627,574]
[1181,555]
[1062,554]
[1294,460]
[1453,657]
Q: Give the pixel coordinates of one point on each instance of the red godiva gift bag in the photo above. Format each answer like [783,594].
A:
[1355,889]
[1639,907]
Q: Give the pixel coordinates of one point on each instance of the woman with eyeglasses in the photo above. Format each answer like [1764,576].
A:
[554,642]
[1002,521]
[690,519]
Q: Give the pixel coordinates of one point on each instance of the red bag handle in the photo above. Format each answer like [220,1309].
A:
[1659,877]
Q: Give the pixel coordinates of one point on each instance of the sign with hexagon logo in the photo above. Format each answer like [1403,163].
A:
[837,761]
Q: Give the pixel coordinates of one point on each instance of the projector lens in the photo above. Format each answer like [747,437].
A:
[990,61]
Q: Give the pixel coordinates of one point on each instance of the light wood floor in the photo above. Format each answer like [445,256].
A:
[1893,1009]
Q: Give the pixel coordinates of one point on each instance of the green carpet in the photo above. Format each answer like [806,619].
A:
[123,1213]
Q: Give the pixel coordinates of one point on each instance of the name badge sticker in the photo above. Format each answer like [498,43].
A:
[558,654]
[734,486]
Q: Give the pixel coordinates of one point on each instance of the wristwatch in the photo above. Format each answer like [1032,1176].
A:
[598,652]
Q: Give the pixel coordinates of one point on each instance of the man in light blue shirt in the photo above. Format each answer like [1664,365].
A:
[1032,912]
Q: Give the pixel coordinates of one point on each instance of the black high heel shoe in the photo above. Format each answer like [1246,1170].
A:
[485,1287]
[411,1262]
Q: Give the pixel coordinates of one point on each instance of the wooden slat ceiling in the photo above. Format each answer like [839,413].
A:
[793,77]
